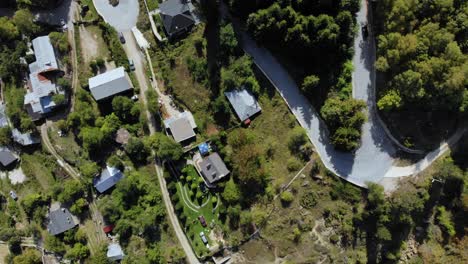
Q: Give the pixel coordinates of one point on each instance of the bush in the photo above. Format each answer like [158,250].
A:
[293,164]
[308,200]
[286,197]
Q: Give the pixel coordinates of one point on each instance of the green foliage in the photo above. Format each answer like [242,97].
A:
[443,219]
[137,150]
[58,99]
[53,244]
[286,197]
[29,256]
[127,110]
[78,252]
[5,136]
[114,161]
[197,68]
[32,202]
[92,138]
[239,74]
[60,41]
[231,193]
[310,83]
[112,40]
[23,19]
[8,30]
[390,101]
[422,51]
[308,200]
[165,147]
[152,101]
[227,41]
[89,169]
[344,119]
[70,192]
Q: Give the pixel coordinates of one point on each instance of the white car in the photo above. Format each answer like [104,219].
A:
[203,237]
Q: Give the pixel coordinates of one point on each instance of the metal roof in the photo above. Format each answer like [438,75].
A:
[243,102]
[60,221]
[213,168]
[115,252]
[108,178]
[176,15]
[3,117]
[6,156]
[24,138]
[109,83]
[45,56]
[181,127]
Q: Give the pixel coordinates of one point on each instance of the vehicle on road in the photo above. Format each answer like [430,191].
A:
[131,65]
[365,30]
[203,237]
[121,38]
[202,220]
[63,24]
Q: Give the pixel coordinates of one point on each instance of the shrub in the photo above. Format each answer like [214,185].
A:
[293,164]
[308,200]
[286,197]
[214,200]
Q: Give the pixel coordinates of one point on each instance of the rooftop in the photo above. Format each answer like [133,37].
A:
[60,221]
[213,168]
[115,252]
[108,178]
[122,136]
[24,139]
[45,56]
[244,103]
[7,157]
[110,83]
[177,15]
[181,127]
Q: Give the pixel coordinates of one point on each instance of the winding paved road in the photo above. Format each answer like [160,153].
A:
[123,23]
[374,160]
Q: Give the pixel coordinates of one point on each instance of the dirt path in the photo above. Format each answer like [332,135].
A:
[89,45]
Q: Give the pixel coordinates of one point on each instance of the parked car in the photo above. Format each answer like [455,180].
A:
[135,97]
[131,65]
[13,195]
[365,30]
[63,24]
[202,220]
[121,37]
[203,237]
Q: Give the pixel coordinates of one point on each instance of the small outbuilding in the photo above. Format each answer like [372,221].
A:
[7,157]
[182,127]
[24,139]
[115,252]
[177,16]
[213,169]
[60,220]
[108,178]
[111,83]
[244,103]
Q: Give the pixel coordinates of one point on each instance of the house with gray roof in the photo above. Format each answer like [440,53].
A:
[108,178]
[108,84]
[7,157]
[115,252]
[60,221]
[24,139]
[213,169]
[177,16]
[181,127]
[244,103]
[43,73]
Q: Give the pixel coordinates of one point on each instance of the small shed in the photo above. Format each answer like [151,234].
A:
[181,127]
[203,148]
[108,178]
[244,103]
[7,157]
[115,252]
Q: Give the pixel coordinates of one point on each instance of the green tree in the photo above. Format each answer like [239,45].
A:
[137,150]
[8,31]
[231,193]
[52,243]
[64,83]
[125,109]
[390,101]
[59,41]
[228,41]
[443,219]
[114,161]
[29,256]
[5,136]
[72,191]
[165,147]
[58,99]
[23,19]
[92,138]
[310,83]
[78,252]
[286,197]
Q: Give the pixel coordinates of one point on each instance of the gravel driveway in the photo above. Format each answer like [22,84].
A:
[122,17]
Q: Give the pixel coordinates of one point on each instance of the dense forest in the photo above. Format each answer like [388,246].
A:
[422,58]
[314,40]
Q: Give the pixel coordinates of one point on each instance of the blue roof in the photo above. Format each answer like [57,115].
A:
[108,178]
[203,148]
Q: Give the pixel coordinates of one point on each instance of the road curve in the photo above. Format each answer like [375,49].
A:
[374,160]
